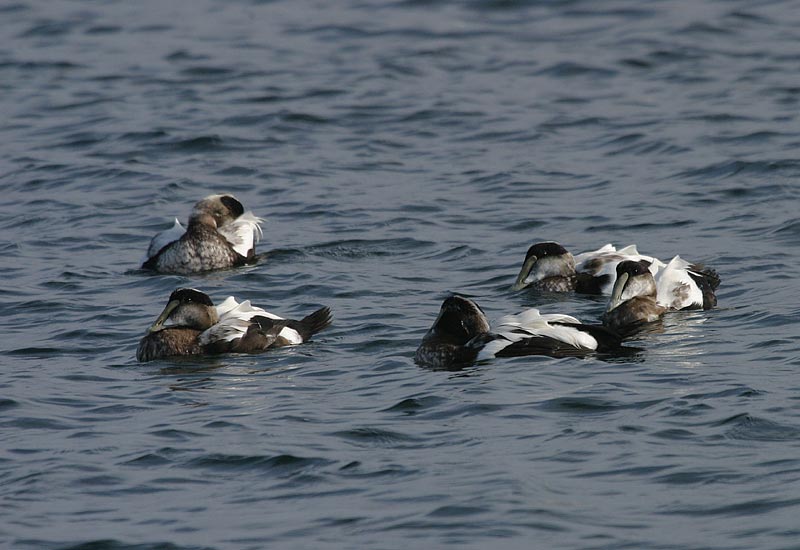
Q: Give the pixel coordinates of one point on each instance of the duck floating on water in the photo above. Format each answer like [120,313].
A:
[197,327]
[681,285]
[549,266]
[220,234]
[633,298]
[461,335]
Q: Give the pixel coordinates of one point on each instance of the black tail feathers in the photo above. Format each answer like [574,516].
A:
[314,323]
[708,281]
[709,274]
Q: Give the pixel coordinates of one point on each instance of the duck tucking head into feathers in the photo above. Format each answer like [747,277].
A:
[220,234]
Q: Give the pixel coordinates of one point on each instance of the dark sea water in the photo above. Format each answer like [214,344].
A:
[400,151]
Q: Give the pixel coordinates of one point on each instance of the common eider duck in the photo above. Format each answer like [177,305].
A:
[461,335]
[191,325]
[549,266]
[680,284]
[220,234]
[633,298]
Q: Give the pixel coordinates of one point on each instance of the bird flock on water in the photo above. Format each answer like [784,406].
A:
[220,234]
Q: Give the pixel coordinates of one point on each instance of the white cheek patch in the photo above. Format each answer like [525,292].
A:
[551,267]
[638,286]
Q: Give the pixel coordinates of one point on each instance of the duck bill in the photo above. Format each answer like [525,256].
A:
[616,293]
[523,273]
[159,324]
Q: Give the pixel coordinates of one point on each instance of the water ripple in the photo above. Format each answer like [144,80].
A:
[400,151]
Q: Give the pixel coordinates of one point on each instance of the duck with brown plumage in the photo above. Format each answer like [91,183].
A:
[548,266]
[219,235]
[190,324]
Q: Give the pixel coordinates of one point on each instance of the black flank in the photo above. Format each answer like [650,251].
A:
[541,345]
[585,283]
[607,339]
[151,262]
[709,274]
[708,282]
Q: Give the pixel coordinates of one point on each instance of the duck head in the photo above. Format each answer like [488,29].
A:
[216,210]
[187,308]
[459,321]
[633,280]
[543,260]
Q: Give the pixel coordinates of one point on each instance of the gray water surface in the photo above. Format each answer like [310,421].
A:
[400,151]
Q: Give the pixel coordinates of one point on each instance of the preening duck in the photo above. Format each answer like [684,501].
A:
[549,266]
[633,298]
[191,325]
[220,234]
[461,335]
[680,284]
[600,265]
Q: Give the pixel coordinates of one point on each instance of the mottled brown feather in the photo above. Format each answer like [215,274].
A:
[169,342]
[637,310]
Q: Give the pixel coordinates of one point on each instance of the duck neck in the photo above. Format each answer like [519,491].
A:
[202,219]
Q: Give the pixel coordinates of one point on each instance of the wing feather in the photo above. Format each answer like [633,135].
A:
[675,288]
[234,320]
[164,238]
[531,323]
[602,263]
[230,308]
[243,233]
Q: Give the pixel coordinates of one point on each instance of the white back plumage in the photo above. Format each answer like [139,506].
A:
[232,309]
[531,319]
[163,238]
[530,323]
[234,319]
[583,257]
